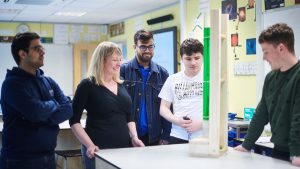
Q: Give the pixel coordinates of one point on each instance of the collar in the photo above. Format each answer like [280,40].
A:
[153,66]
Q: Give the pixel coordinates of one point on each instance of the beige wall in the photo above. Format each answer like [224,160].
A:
[242,89]
[140,22]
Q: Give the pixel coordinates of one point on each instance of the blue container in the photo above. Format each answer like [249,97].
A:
[231,116]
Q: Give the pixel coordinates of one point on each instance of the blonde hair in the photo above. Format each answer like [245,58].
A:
[96,68]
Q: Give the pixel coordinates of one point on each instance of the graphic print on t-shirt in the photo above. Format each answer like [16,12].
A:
[185,90]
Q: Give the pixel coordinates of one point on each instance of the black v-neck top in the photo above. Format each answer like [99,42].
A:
[107,114]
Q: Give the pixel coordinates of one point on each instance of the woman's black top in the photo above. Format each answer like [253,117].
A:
[107,114]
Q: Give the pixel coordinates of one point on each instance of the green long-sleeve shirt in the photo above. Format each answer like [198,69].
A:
[279,105]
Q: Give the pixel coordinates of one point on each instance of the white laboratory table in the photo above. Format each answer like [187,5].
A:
[238,125]
[177,157]
[64,125]
[263,141]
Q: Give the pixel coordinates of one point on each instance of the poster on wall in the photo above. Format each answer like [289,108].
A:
[271,4]
[61,34]
[117,29]
[6,38]
[242,14]
[230,7]
[251,46]
[234,40]
[250,4]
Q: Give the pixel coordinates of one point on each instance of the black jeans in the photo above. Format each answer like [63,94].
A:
[145,140]
[175,140]
[43,162]
[280,154]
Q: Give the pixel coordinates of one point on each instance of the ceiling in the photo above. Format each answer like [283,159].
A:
[94,11]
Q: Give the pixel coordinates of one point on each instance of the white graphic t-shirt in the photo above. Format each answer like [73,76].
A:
[186,94]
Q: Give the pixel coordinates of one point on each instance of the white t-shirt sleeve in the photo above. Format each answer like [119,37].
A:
[166,91]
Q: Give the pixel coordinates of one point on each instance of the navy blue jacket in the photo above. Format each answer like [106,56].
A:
[158,127]
[32,108]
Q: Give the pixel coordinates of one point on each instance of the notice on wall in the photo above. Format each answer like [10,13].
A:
[61,34]
[76,30]
[94,29]
[104,29]
[94,33]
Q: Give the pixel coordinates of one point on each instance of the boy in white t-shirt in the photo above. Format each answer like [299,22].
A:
[185,91]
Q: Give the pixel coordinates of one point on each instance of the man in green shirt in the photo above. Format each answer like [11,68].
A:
[280,102]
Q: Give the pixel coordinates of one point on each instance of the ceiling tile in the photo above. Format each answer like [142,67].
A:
[98,11]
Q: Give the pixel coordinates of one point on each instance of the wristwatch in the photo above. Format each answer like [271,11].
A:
[292,158]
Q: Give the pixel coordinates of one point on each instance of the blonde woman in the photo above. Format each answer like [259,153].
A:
[109,122]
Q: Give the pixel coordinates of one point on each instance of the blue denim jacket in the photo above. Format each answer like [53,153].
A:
[158,127]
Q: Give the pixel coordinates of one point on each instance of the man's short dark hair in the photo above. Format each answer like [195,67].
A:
[278,33]
[190,46]
[143,35]
[22,42]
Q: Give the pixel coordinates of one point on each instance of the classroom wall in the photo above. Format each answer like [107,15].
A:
[287,3]
[288,14]
[59,57]
[140,22]
[242,89]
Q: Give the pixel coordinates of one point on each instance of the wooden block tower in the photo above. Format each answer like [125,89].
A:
[216,125]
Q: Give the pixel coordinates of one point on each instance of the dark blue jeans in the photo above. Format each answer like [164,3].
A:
[44,162]
[89,163]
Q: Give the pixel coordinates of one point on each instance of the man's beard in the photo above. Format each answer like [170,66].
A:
[144,59]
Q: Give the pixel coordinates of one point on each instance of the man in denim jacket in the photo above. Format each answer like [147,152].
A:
[144,80]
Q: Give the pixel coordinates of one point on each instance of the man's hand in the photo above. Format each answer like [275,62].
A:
[163,142]
[240,148]
[183,122]
[196,125]
[296,161]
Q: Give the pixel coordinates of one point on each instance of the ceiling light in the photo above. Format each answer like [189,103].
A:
[10,11]
[34,2]
[70,13]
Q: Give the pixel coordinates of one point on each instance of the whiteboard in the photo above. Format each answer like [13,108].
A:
[58,64]
[165,53]
[290,16]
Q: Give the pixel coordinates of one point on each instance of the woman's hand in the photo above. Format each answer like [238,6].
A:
[90,152]
[136,142]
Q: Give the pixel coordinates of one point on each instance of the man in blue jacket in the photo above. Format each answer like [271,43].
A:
[144,80]
[32,105]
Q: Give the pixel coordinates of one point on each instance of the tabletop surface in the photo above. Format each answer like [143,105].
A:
[238,123]
[177,157]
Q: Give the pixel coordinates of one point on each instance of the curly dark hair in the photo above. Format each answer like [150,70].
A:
[142,35]
[278,33]
[190,46]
